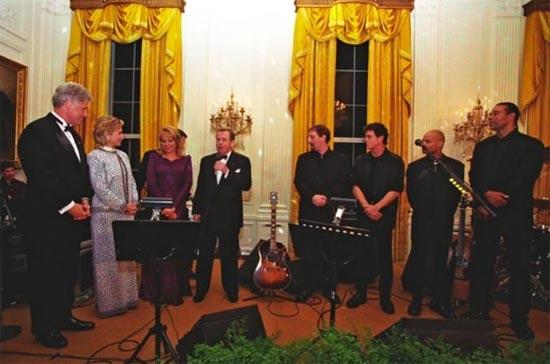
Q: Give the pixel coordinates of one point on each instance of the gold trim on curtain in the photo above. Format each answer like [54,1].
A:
[311,94]
[161,62]
[534,94]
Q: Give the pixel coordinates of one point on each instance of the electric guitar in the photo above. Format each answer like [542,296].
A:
[272,271]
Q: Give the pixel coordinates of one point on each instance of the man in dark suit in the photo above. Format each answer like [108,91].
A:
[218,205]
[434,200]
[58,184]
[504,169]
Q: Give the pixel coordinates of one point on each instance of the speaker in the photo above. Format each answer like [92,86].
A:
[211,328]
[467,335]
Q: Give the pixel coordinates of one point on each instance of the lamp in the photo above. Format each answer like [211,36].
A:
[233,118]
[474,129]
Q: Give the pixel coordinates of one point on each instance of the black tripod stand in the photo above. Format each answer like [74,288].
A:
[9,331]
[338,245]
[154,242]
[158,329]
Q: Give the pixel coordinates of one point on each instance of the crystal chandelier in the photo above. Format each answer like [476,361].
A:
[473,130]
[233,118]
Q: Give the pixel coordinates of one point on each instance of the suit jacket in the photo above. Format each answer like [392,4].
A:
[222,204]
[55,176]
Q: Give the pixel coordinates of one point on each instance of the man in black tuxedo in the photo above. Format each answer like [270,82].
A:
[218,205]
[57,173]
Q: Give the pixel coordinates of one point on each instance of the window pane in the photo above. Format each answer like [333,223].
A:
[360,88]
[123,110]
[124,55]
[344,56]
[362,56]
[360,121]
[346,148]
[137,83]
[358,150]
[132,148]
[137,54]
[343,126]
[344,87]
[123,85]
[136,128]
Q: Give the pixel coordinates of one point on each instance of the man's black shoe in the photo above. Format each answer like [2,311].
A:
[415,308]
[523,331]
[74,324]
[52,339]
[357,300]
[387,305]
[444,311]
[233,297]
[199,297]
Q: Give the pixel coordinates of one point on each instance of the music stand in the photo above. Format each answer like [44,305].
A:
[337,244]
[154,242]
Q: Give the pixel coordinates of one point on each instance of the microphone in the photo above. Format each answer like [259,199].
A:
[219,173]
[418,142]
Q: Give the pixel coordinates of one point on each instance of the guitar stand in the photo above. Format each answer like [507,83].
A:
[271,293]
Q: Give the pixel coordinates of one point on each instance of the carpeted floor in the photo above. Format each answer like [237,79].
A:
[285,320]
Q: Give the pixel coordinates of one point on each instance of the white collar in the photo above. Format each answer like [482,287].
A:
[63,122]
[108,149]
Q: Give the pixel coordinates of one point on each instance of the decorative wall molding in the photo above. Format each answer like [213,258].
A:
[391,4]
[536,5]
[98,4]
[9,14]
[508,8]
[56,7]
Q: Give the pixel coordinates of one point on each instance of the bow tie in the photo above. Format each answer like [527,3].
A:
[221,157]
[66,127]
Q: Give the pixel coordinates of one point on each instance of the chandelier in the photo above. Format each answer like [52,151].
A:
[233,118]
[473,130]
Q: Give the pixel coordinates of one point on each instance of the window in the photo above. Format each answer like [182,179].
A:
[124,95]
[351,90]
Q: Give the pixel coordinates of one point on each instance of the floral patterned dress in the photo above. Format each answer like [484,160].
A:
[114,187]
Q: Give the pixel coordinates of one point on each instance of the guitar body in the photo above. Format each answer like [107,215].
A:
[272,271]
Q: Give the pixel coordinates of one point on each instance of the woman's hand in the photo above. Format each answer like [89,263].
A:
[169,213]
[131,209]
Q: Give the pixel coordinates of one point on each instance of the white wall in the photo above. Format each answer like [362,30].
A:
[459,47]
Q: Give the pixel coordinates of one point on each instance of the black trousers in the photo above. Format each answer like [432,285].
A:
[384,264]
[53,272]
[229,252]
[487,236]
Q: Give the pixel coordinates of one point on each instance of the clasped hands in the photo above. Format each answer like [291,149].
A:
[221,166]
[496,199]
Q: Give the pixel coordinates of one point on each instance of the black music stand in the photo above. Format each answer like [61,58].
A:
[337,245]
[155,242]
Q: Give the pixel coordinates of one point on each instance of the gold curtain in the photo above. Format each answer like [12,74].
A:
[89,62]
[534,93]
[389,98]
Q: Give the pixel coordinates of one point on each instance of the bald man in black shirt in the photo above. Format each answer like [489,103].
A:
[504,169]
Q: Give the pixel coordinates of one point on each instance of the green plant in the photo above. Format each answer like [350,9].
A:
[335,346]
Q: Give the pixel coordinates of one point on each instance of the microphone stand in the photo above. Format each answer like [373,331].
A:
[464,185]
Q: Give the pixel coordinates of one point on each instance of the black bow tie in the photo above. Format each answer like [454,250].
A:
[66,127]
[222,157]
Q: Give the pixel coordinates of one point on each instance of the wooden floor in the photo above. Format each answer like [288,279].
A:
[287,320]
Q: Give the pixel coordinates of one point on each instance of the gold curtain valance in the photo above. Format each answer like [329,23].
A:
[536,5]
[388,4]
[92,31]
[352,24]
[99,4]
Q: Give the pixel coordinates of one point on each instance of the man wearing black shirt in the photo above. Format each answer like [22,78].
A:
[377,179]
[320,174]
[504,169]
[433,200]
[13,190]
